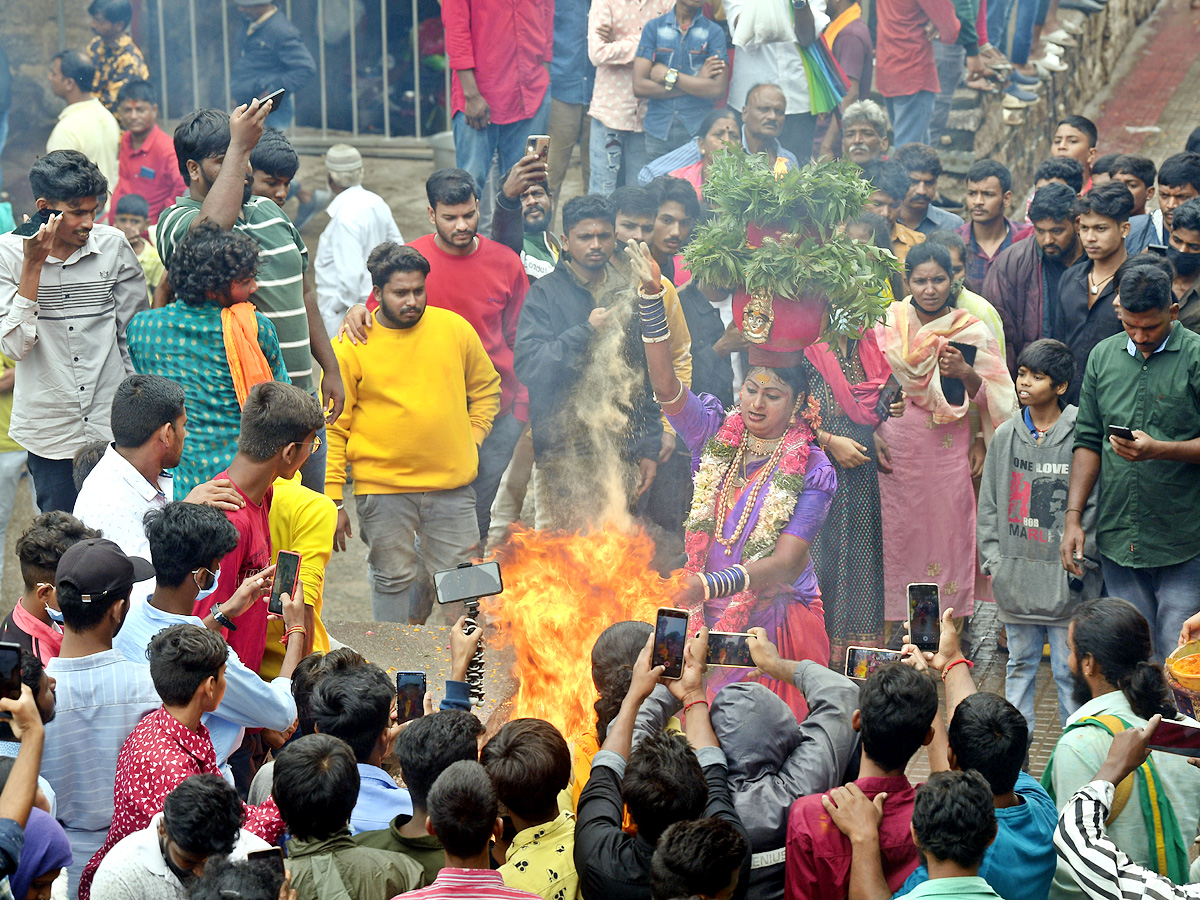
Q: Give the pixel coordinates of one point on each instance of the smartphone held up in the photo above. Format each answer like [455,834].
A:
[924,615]
[670,637]
[287,575]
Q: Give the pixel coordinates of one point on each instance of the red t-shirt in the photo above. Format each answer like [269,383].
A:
[152,170]
[252,554]
[904,61]
[487,288]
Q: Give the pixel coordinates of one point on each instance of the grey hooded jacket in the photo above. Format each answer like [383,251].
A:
[772,760]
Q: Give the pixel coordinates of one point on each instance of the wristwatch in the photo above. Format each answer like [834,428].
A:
[670,79]
[223,620]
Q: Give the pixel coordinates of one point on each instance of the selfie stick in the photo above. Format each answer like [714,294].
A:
[475,668]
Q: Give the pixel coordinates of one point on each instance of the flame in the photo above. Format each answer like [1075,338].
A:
[781,167]
[560,591]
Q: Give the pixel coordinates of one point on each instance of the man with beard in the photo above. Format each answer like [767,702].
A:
[213,150]
[918,211]
[1022,282]
[524,211]
[988,230]
[1183,250]
[67,295]
[421,398]
[1119,687]
[566,313]
[483,281]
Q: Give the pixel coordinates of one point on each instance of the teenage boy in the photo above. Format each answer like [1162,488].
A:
[896,710]
[1064,169]
[682,67]
[1022,514]
[146,157]
[464,815]
[700,859]
[71,355]
[529,763]
[187,665]
[356,707]
[1023,280]
[1076,137]
[273,165]
[1178,182]
[214,150]
[918,211]
[187,543]
[953,825]
[1138,174]
[1085,314]
[889,186]
[426,748]
[661,781]
[315,785]
[279,429]
[989,231]
[1102,168]
[36,622]
[1183,250]
[101,695]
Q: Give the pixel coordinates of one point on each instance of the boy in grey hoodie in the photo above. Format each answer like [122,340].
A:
[1022,512]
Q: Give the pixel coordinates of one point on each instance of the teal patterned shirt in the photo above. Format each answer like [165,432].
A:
[184,343]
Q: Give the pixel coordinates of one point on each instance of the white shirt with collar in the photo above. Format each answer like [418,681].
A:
[359,221]
[779,63]
[134,869]
[116,496]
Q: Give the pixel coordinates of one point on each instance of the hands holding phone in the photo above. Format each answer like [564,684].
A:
[252,589]
[690,685]
[949,646]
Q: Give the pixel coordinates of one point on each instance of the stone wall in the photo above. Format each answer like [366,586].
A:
[977,123]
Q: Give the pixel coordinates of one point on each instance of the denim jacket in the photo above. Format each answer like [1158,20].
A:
[664,42]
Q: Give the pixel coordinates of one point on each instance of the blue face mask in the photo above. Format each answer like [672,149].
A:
[207,592]
[55,615]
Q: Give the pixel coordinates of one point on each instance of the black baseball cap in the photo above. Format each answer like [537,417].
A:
[96,566]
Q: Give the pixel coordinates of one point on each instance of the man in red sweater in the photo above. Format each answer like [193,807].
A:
[485,283]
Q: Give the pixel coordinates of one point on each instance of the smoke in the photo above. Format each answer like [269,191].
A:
[593,484]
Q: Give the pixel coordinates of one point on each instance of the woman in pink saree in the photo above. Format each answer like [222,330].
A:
[928,456]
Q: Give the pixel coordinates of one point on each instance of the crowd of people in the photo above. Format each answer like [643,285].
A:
[190,398]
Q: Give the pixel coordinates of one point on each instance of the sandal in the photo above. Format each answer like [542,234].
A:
[982,84]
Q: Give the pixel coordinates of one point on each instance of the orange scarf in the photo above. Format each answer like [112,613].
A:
[914,359]
[247,364]
[834,28]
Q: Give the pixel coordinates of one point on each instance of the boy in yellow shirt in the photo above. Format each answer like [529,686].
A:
[132,216]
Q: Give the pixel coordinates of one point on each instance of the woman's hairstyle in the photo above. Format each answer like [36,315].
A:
[613,656]
[1117,637]
[209,260]
[793,376]
[927,252]
[716,116]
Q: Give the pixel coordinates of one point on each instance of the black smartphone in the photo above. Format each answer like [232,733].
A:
[729,649]
[410,696]
[924,615]
[275,97]
[862,661]
[468,582]
[887,396]
[953,388]
[670,635]
[1176,737]
[10,684]
[36,221]
[272,856]
[1122,432]
[1160,249]
[287,573]
[538,145]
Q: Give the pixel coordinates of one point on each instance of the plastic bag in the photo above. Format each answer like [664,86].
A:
[764,22]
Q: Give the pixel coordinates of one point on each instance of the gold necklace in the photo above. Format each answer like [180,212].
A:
[761,447]
[726,501]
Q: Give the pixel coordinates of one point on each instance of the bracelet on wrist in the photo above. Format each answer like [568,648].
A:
[959,661]
[673,400]
[693,703]
[295,629]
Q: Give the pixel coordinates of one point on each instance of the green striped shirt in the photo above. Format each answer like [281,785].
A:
[282,260]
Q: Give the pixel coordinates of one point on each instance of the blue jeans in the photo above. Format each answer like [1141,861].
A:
[4,138]
[950,60]
[494,456]
[12,464]
[1165,595]
[910,116]
[607,150]
[1025,655]
[1027,17]
[999,13]
[474,149]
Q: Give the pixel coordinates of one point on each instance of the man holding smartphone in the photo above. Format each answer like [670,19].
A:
[1148,534]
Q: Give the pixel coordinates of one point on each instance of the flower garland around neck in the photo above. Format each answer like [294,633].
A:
[781,478]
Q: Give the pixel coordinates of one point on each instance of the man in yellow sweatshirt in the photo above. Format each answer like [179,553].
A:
[420,399]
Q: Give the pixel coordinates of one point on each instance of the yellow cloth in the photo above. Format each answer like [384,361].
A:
[419,402]
[91,129]
[302,521]
[247,363]
[152,266]
[680,341]
[834,28]
[7,444]
[541,860]
[904,239]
